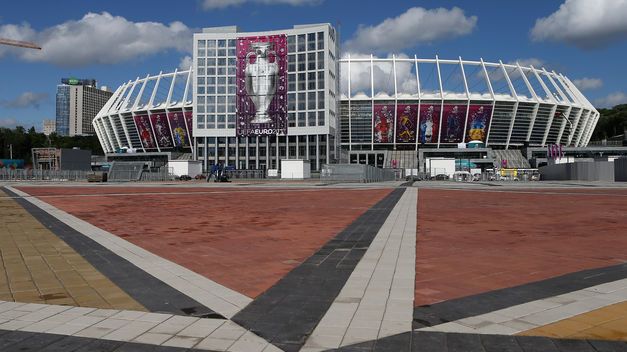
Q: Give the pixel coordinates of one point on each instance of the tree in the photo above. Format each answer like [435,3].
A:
[23,141]
[612,122]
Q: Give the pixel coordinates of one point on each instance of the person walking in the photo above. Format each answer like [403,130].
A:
[214,172]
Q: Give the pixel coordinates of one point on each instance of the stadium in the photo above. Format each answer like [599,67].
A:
[386,112]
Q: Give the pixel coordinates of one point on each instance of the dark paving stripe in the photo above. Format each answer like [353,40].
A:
[28,341]
[450,342]
[149,291]
[482,303]
[288,312]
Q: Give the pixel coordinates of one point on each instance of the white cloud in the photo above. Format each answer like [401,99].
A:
[584,23]
[531,61]
[220,4]
[414,26]
[611,100]
[98,39]
[588,83]
[186,63]
[8,122]
[26,100]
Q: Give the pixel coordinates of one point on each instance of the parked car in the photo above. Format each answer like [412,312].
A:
[441,177]
[184,178]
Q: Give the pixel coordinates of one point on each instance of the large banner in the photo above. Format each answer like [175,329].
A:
[453,120]
[429,123]
[383,123]
[261,85]
[406,119]
[162,130]
[478,122]
[145,132]
[179,131]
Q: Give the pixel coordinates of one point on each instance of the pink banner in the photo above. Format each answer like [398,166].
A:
[478,122]
[145,131]
[179,132]
[262,85]
[429,122]
[406,120]
[162,130]
[453,120]
[383,123]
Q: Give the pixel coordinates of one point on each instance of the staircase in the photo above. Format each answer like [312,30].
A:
[515,159]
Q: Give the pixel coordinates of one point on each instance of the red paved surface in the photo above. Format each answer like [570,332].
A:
[470,242]
[245,240]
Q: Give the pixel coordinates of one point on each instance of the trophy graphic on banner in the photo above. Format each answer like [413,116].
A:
[261,79]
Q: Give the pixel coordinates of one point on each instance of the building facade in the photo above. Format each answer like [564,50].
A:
[63,110]
[150,115]
[78,103]
[357,109]
[312,99]
[403,103]
[49,126]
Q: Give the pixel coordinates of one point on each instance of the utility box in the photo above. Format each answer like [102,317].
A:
[298,169]
[185,167]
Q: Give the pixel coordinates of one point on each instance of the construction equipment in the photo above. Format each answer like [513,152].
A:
[19,43]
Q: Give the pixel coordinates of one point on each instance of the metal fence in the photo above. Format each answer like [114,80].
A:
[245,174]
[126,171]
[43,175]
[356,173]
[162,174]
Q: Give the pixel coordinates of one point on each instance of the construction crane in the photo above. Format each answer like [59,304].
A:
[19,43]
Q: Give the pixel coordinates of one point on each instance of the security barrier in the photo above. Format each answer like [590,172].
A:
[356,173]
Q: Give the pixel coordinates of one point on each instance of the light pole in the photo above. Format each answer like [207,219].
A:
[11,151]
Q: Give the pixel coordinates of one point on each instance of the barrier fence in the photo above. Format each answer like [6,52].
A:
[356,173]
[43,175]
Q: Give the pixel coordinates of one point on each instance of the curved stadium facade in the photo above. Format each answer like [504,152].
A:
[336,108]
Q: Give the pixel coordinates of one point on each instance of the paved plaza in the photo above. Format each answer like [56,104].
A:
[437,266]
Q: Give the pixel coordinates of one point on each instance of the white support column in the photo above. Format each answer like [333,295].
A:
[564,98]
[317,152]
[437,65]
[247,154]
[582,130]
[534,114]
[564,122]
[184,102]
[552,98]
[167,104]
[257,152]
[100,136]
[419,101]
[395,100]
[112,123]
[491,89]
[461,65]
[134,108]
[516,104]
[138,134]
[372,119]
[574,126]
[350,127]
[121,116]
[150,104]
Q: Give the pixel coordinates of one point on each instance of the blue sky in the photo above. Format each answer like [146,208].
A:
[586,40]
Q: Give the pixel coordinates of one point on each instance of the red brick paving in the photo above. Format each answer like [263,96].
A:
[245,240]
[470,242]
